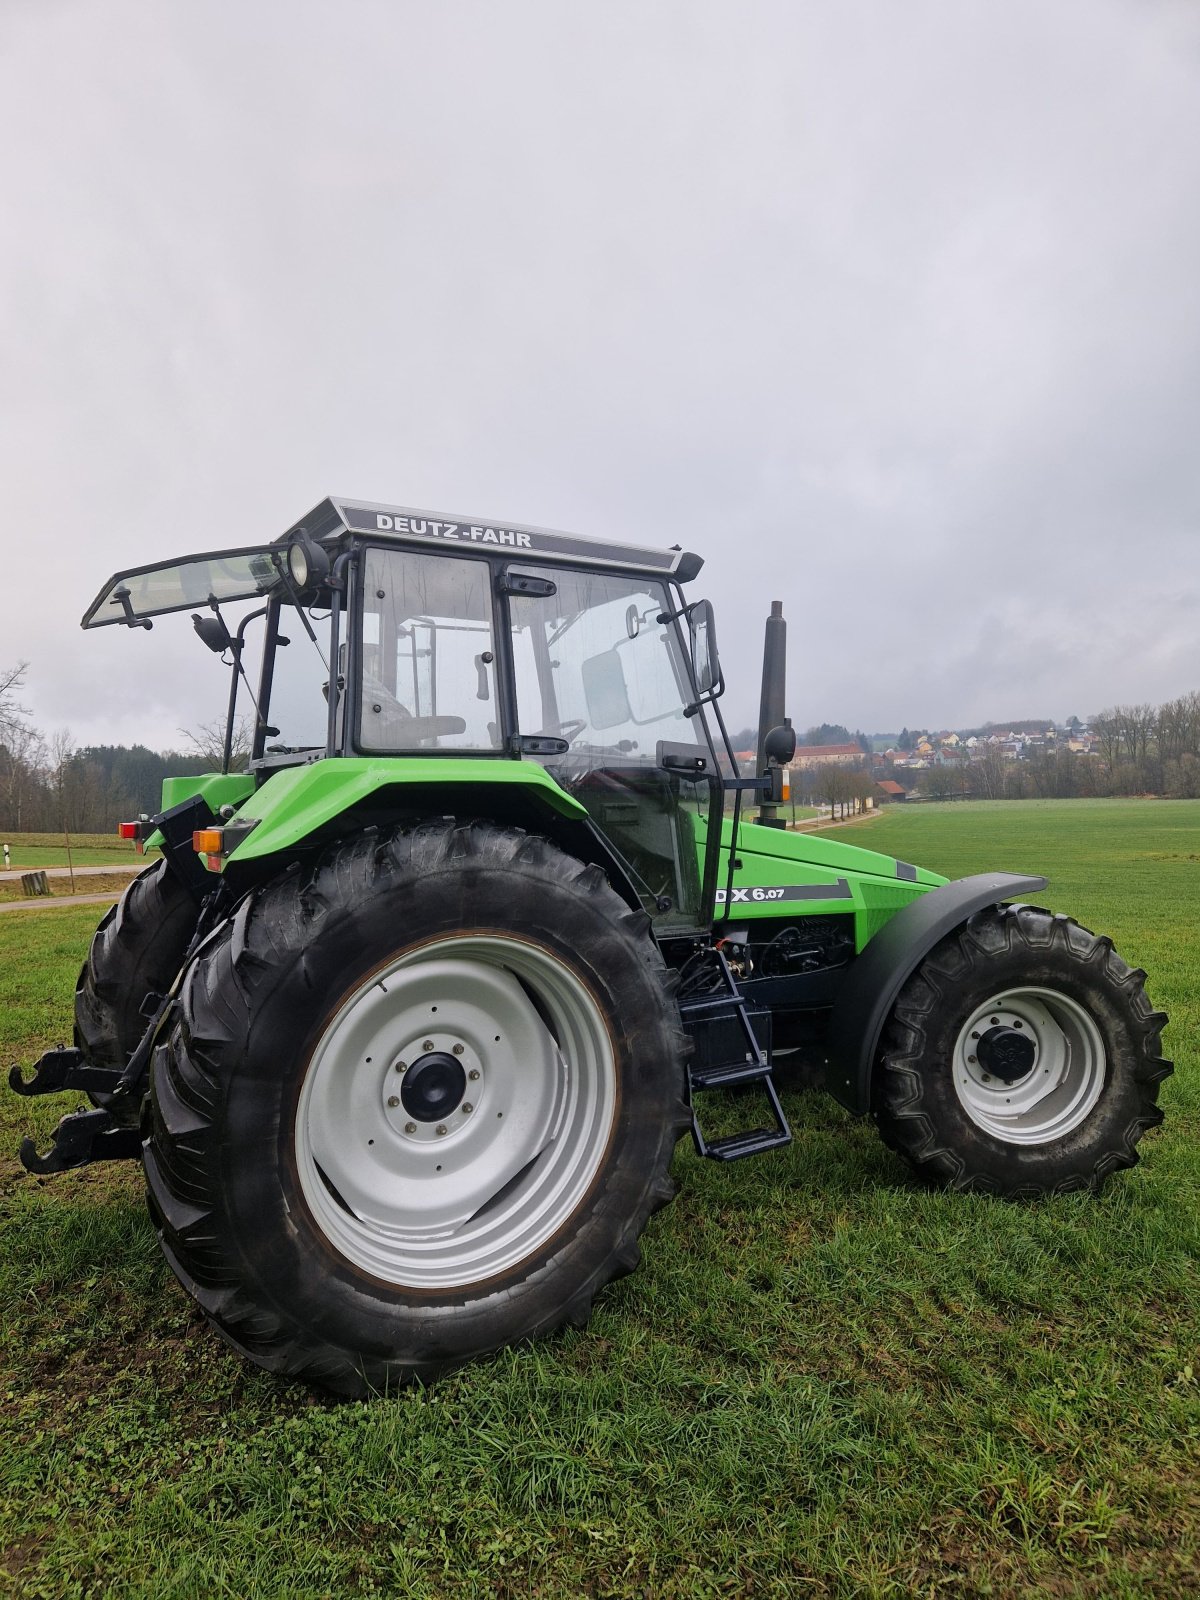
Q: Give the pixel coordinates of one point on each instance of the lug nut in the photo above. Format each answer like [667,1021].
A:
[986,1078]
[428,1045]
[402,1066]
[458,1049]
[975,1035]
[473,1074]
[971,1059]
[440,1129]
[393,1100]
[410,1127]
[467,1107]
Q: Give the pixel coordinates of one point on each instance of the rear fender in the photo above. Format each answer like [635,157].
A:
[876,978]
[303,807]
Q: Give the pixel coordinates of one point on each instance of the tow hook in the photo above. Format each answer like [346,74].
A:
[81,1136]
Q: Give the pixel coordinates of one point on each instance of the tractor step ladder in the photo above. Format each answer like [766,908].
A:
[738,1059]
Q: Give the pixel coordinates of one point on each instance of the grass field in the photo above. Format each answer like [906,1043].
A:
[822,1380]
[30,850]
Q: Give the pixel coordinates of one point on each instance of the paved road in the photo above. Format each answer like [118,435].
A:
[43,902]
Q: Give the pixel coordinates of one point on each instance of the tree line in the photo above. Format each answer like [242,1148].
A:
[1138,749]
[48,784]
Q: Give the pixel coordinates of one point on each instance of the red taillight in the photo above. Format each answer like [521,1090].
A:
[128,830]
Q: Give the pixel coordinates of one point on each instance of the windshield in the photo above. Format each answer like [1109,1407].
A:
[595,666]
[193,581]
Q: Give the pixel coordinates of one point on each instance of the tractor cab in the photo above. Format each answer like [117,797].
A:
[407,637]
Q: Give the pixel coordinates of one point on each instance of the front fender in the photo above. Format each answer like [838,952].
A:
[872,984]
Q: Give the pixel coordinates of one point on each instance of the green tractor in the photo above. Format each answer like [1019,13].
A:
[406,1020]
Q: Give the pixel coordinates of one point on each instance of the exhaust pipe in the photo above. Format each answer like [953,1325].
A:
[770,705]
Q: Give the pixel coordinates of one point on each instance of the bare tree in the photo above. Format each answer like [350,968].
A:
[208,740]
[939,783]
[1178,727]
[988,772]
[1137,730]
[22,754]
[13,715]
[62,755]
[1107,730]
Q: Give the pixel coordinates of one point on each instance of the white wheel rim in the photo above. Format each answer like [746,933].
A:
[427,1201]
[1062,1066]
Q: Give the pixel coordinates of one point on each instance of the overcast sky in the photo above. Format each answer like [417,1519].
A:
[891,311]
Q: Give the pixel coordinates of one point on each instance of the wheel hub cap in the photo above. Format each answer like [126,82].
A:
[1006,1054]
[433,1087]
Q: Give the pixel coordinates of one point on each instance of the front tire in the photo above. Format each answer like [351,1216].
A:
[419,1103]
[1022,1058]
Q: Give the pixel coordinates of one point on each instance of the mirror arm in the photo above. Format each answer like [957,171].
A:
[130,620]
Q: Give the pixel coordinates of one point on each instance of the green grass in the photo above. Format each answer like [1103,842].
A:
[30,850]
[822,1380]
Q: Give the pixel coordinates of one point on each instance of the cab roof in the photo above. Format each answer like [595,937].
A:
[408,525]
[249,571]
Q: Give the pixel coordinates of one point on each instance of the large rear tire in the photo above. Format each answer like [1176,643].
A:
[136,952]
[1022,1058]
[419,1103]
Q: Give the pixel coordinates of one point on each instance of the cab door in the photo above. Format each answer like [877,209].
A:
[599,675]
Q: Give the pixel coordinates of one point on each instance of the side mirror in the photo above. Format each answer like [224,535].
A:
[706,665]
[780,744]
[213,632]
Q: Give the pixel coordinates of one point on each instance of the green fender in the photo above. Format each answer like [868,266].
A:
[295,802]
[877,976]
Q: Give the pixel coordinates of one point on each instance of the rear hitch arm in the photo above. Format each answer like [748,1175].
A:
[80,1138]
[61,1069]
